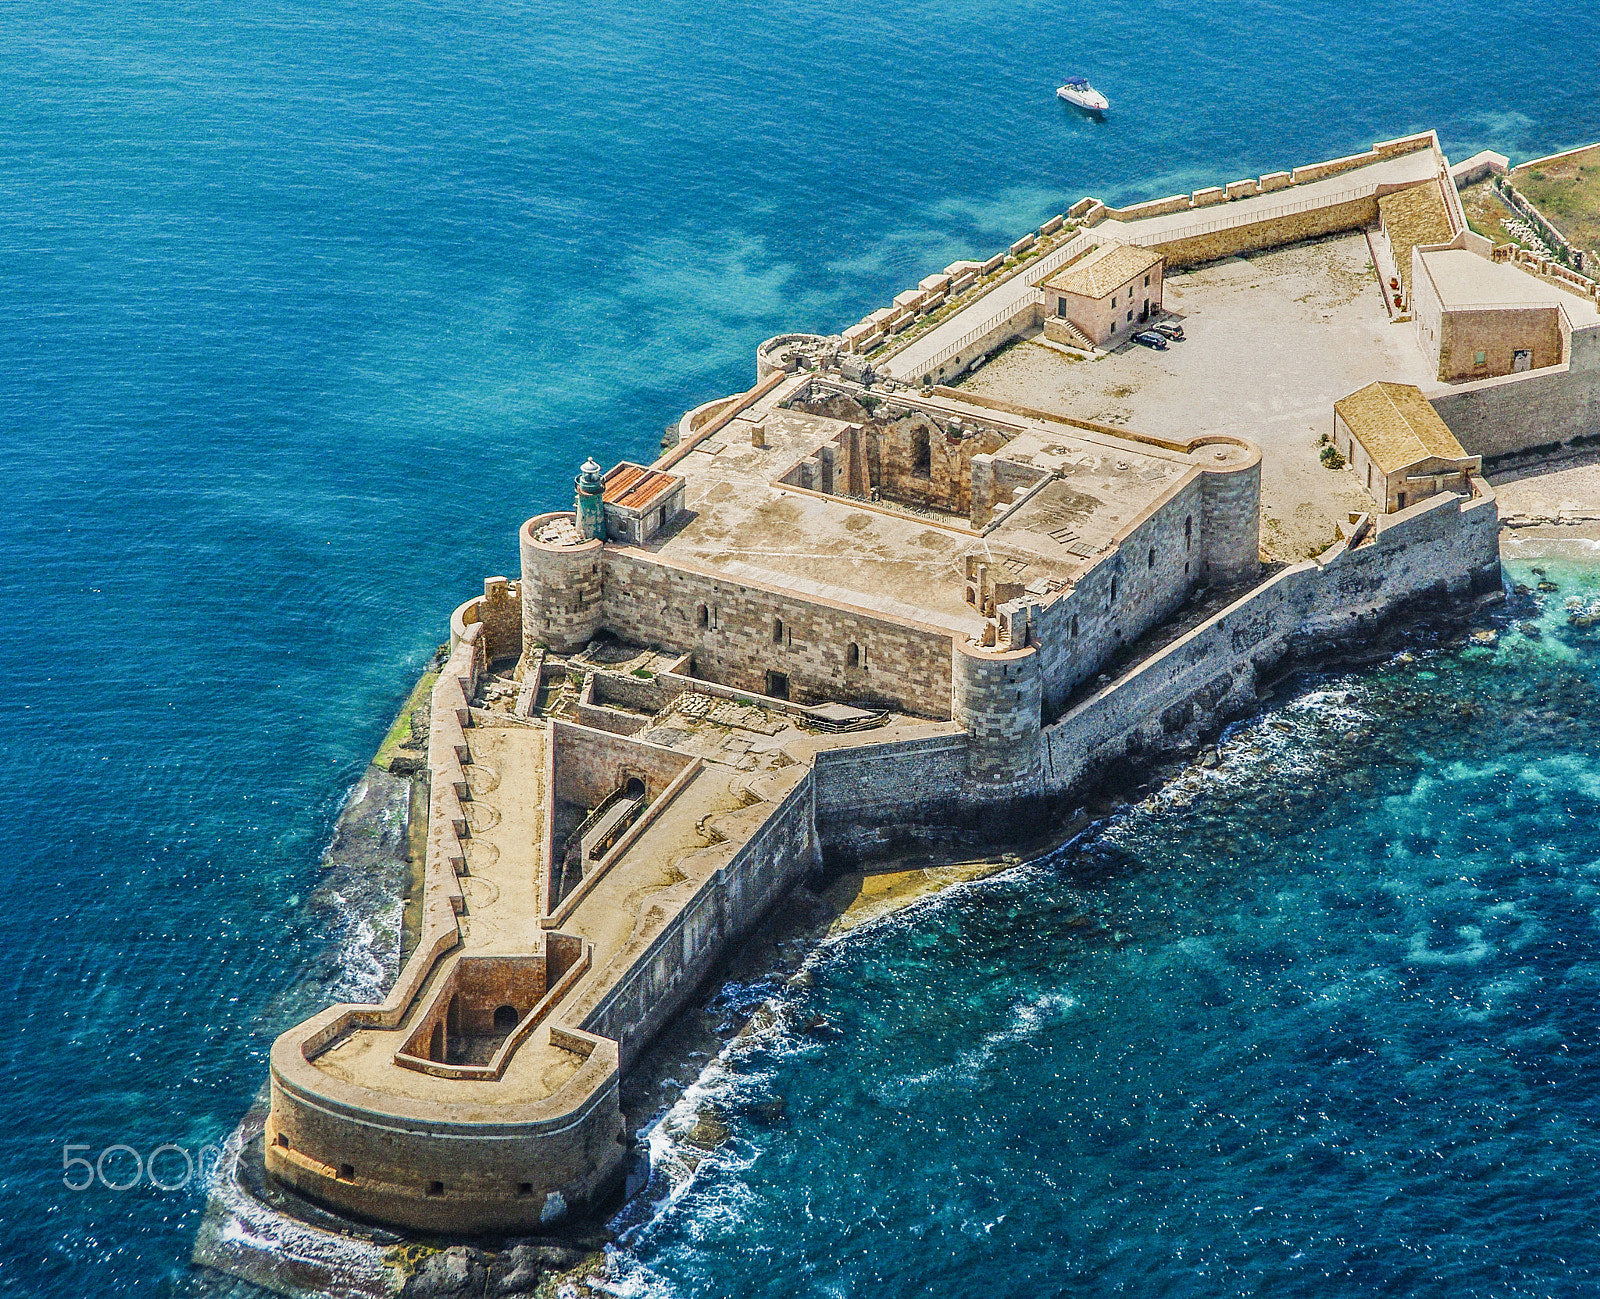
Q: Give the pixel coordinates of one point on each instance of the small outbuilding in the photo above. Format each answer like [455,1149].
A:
[1399,447]
[1110,291]
[640,502]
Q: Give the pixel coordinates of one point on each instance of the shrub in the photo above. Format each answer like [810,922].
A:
[1331,458]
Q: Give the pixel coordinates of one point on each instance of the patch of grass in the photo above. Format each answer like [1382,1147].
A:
[646,673]
[1567,191]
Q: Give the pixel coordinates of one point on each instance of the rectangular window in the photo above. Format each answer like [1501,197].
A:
[1061,306]
[1147,281]
[1480,358]
[1113,299]
[1130,315]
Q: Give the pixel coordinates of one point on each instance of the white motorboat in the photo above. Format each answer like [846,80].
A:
[1081,94]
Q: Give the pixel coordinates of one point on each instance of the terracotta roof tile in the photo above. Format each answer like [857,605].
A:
[1103,271]
[1398,426]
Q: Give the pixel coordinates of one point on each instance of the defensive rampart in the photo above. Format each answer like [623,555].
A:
[1442,546]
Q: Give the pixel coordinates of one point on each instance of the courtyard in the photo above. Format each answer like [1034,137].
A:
[1273,340]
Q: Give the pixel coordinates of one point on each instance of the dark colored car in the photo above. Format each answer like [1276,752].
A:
[1169,329]
[1149,338]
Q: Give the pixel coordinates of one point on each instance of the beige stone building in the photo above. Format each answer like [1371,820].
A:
[1478,318]
[1106,294]
[1399,447]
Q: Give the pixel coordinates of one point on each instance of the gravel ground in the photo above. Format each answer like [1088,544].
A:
[1273,341]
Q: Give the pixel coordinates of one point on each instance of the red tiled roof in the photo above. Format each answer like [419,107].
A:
[633,487]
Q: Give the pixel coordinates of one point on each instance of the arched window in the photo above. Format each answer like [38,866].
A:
[921,453]
[852,655]
[702,616]
[1188,531]
[777,631]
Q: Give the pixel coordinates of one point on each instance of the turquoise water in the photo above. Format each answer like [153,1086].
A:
[305,307]
[1321,1021]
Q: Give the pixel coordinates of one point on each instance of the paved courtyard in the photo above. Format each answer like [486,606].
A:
[1273,341]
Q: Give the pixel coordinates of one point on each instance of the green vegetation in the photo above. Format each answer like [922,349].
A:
[1485,211]
[646,673]
[401,728]
[1567,191]
[1331,458]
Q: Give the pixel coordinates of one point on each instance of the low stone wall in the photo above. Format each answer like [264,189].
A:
[1271,232]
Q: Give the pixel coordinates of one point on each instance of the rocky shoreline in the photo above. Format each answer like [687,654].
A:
[256,1233]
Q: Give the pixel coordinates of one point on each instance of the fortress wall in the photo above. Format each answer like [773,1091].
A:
[652,602]
[1231,530]
[1523,412]
[1273,232]
[869,795]
[564,1156]
[589,764]
[997,695]
[561,589]
[1442,545]
[1087,624]
[691,943]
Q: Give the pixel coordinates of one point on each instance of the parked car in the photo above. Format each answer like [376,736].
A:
[1149,338]
[1169,329]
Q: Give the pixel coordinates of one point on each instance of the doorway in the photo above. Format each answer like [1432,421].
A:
[777,685]
[1521,359]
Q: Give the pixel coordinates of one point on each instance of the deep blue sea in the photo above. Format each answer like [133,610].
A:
[304,307]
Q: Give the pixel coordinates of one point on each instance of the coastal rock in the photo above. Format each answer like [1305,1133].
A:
[455,1271]
[521,1268]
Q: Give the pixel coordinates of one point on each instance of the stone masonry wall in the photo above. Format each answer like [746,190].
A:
[1274,232]
[688,947]
[1443,545]
[872,794]
[1086,625]
[1519,412]
[654,603]
[589,764]
[1498,333]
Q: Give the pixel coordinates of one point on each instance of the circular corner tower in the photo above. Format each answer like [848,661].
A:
[563,606]
[997,695]
[1231,491]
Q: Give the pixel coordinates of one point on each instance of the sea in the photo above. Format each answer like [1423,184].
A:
[303,307]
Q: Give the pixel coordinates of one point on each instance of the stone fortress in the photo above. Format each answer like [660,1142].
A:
[856,606]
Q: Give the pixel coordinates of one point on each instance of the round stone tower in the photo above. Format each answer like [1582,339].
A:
[590,501]
[996,700]
[562,603]
[1231,490]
